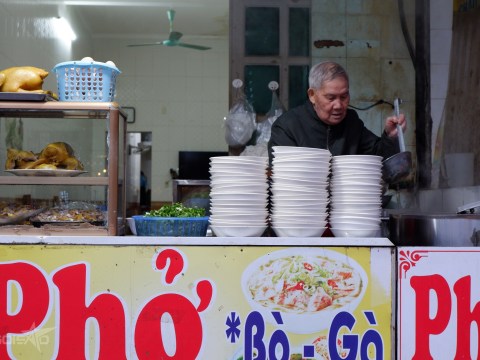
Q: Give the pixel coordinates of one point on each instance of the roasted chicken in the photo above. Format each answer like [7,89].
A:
[57,155]
[19,159]
[22,79]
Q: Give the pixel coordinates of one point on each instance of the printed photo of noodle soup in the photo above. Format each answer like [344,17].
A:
[308,286]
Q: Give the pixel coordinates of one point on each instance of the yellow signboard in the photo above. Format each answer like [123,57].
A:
[195,302]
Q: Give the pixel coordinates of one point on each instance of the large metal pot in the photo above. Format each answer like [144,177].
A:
[434,230]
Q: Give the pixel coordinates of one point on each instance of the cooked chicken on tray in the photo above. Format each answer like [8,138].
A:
[57,155]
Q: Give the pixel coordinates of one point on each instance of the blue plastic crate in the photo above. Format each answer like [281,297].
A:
[171,226]
[86,81]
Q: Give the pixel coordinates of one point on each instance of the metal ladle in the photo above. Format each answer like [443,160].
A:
[398,166]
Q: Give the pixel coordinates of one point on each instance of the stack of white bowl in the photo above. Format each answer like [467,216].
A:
[356,195]
[299,191]
[238,195]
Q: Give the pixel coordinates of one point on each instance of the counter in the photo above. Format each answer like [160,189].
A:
[196,298]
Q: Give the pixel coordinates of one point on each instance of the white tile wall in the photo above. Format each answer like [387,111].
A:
[374,54]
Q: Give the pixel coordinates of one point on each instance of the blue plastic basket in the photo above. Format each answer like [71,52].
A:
[171,226]
[86,81]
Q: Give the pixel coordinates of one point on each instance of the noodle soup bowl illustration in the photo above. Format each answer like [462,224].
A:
[308,287]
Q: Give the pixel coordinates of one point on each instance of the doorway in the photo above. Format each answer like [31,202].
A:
[139,172]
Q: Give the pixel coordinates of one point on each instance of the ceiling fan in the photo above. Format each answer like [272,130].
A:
[173,37]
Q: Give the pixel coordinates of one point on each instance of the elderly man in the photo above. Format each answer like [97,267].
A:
[326,122]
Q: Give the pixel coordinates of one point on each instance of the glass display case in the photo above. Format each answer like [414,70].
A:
[88,194]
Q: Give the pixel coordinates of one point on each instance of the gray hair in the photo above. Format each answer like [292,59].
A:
[325,71]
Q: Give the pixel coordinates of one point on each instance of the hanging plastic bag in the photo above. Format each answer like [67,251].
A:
[276,109]
[240,123]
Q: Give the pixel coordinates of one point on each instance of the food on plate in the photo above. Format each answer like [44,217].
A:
[46,167]
[69,215]
[19,159]
[57,155]
[22,79]
[10,210]
[303,284]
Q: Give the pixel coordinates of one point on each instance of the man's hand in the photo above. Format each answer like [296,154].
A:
[391,125]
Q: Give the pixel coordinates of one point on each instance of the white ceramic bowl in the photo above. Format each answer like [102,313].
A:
[320,195]
[353,175]
[311,209]
[296,188]
[373,168]
[296,179]
[364,213]
[360,169]
[238,170]
[318,160]
[357,158]
[342,225]
[235,196]
[290,184]
[284,214]
[232,180]
[323,166]
[373,189]
[238,231]
[352,201]
[239,217]
[338,174]
[306,174]
[359,190]
[351,219]
[238,205]
[293,203]
[289,193]
[355,233]
[299,231]
[298,320]
[238,177]
[239,188]
[280,224]
[236,223]
[307,163]
[299,204]
[298,207]
[238,159]
[357,178]
[239,211]
[354,208]
[311,218]
[299,149]
[355,197]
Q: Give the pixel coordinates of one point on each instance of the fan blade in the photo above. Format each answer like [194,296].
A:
[175,36]
[147,44]
[192,46]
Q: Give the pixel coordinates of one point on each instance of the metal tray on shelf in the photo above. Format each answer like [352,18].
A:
[25,96]
[46,172]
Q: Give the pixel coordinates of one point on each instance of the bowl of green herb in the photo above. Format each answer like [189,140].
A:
[172,220]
